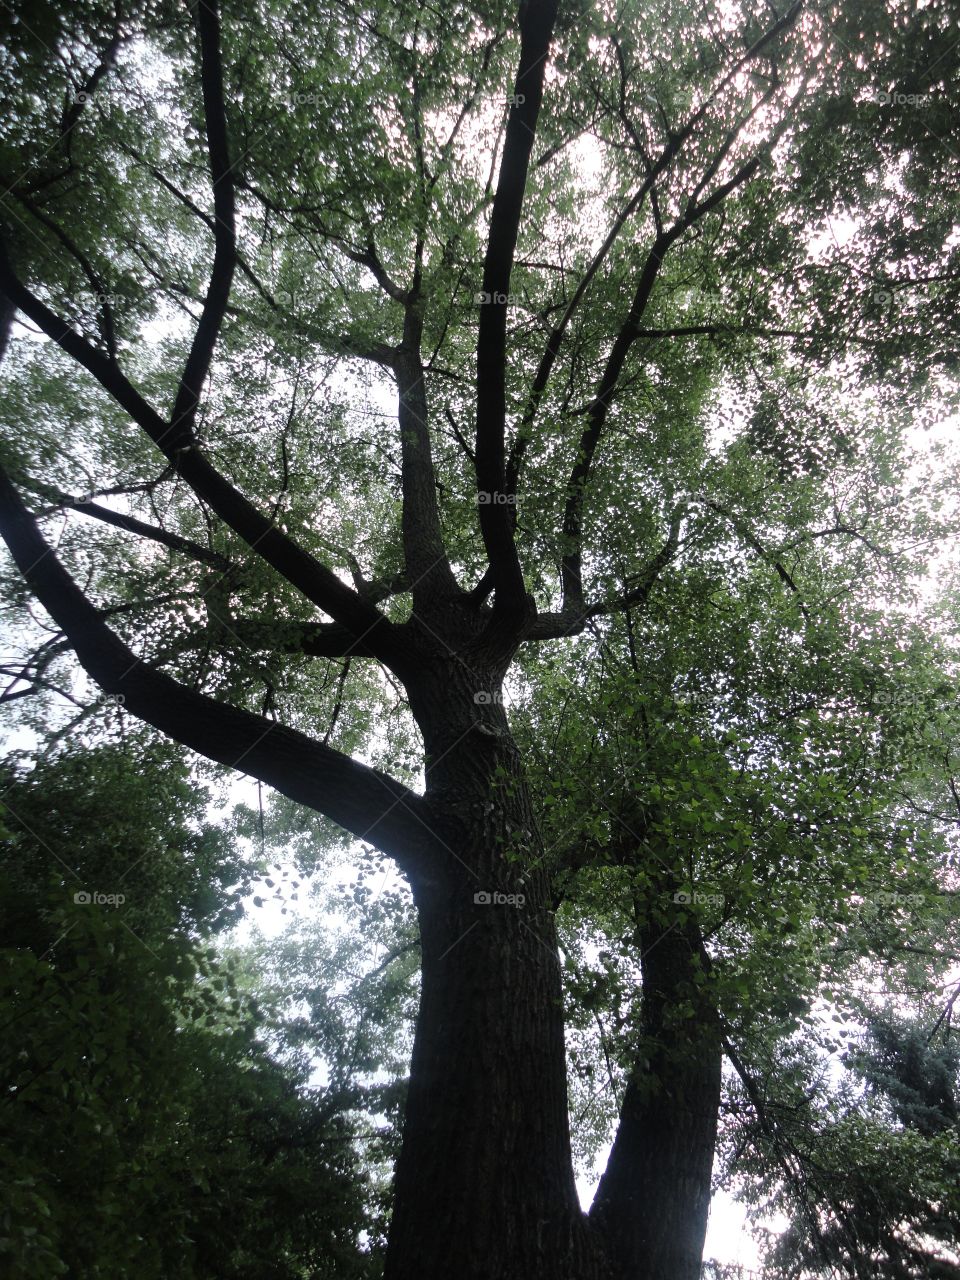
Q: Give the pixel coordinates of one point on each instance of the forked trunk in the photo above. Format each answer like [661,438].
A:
[484,1186]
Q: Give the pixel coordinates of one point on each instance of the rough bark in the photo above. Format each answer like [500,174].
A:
[484,1183]
[654,1196]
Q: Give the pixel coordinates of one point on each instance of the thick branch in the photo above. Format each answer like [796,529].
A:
[72,115]
[312,639]
[186,546]
[570,566]
[599,408]
[554,626]
[722,330]
[537,19]
[552,350]
[370,804]
[336,344]
[427,568]
[224,232]
[107,326]
[370,259]
[654,1195]
[654,171]
[317,583]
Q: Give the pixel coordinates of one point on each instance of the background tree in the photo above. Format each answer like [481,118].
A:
[865,1166]
[145,1127]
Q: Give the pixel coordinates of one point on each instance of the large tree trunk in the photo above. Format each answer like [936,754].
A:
[484,1186]
[654,1197]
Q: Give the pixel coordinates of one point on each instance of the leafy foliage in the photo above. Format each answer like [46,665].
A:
[146,1128]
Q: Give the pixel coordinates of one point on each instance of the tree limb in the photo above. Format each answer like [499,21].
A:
[427,567]
[554,626]
[107,326]
[654,170]
[599,407]
[316,582]
[370,804]
[186,546]
[224,230]
[312,639]
[537,19]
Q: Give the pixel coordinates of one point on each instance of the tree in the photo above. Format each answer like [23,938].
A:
[146,1128]
[236,228]
[346,997]
[868,1176]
